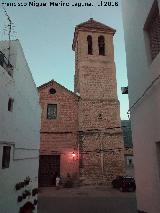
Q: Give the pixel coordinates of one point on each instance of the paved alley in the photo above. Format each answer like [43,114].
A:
[86,200]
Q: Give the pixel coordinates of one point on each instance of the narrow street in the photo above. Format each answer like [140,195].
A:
[88,199]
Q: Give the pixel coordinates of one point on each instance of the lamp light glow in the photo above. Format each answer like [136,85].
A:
[73,155]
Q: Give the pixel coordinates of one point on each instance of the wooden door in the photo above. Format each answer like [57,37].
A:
[49,168]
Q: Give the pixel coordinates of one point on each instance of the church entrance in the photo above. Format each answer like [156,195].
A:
[49,168]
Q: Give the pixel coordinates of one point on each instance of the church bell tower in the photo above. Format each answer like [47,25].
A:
[101,148]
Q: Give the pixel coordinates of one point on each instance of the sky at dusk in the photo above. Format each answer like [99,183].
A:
[46,35]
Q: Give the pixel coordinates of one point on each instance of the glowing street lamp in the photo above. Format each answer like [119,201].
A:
[73,155]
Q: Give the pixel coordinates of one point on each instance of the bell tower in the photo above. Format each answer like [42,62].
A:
[100,141]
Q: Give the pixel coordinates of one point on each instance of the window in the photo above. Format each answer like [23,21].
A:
[10,104]
[52,91]
[101,45]
[152,27]
[52,111]
[89,40]
[6,157]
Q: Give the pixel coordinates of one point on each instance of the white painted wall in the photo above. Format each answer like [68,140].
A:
[145,116]
[19,128]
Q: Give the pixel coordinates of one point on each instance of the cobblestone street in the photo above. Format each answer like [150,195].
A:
[88,199]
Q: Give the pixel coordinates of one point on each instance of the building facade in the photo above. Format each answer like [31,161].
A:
[142,37]
[19,131]
[128,147]
[97,135]
[59,133]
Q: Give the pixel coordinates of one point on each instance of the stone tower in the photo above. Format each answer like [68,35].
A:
[100,136]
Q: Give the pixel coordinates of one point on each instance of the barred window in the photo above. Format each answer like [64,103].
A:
[6,157]
[51,111]
[152,26]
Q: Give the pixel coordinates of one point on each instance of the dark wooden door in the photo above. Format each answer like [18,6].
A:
[49,168]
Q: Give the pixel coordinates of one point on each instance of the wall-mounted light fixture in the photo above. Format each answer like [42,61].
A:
[73,155]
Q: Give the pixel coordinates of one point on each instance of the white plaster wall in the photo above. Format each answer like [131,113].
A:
[19,128]
[145,118]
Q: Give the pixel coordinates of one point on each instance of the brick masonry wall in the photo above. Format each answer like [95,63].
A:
[59,136]
[67,107]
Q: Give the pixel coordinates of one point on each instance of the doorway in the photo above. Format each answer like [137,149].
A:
[49,168]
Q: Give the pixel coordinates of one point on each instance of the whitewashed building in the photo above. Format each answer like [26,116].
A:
[142,38]
[19,131]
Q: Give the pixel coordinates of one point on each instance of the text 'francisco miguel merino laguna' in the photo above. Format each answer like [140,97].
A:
[35,4]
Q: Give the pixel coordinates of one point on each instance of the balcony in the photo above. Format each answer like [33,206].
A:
[4,62]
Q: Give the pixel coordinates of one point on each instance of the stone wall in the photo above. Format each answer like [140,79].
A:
[101,157]
[101,141]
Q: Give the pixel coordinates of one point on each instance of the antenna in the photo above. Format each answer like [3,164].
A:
[9,26]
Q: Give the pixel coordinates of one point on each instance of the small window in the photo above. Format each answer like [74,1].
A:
[52,111]
[101,45]
[6,157]
[89,40]
[100,116]
[10,104]
[152,27]
[52,91]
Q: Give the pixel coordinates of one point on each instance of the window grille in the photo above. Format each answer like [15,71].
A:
[52,111]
